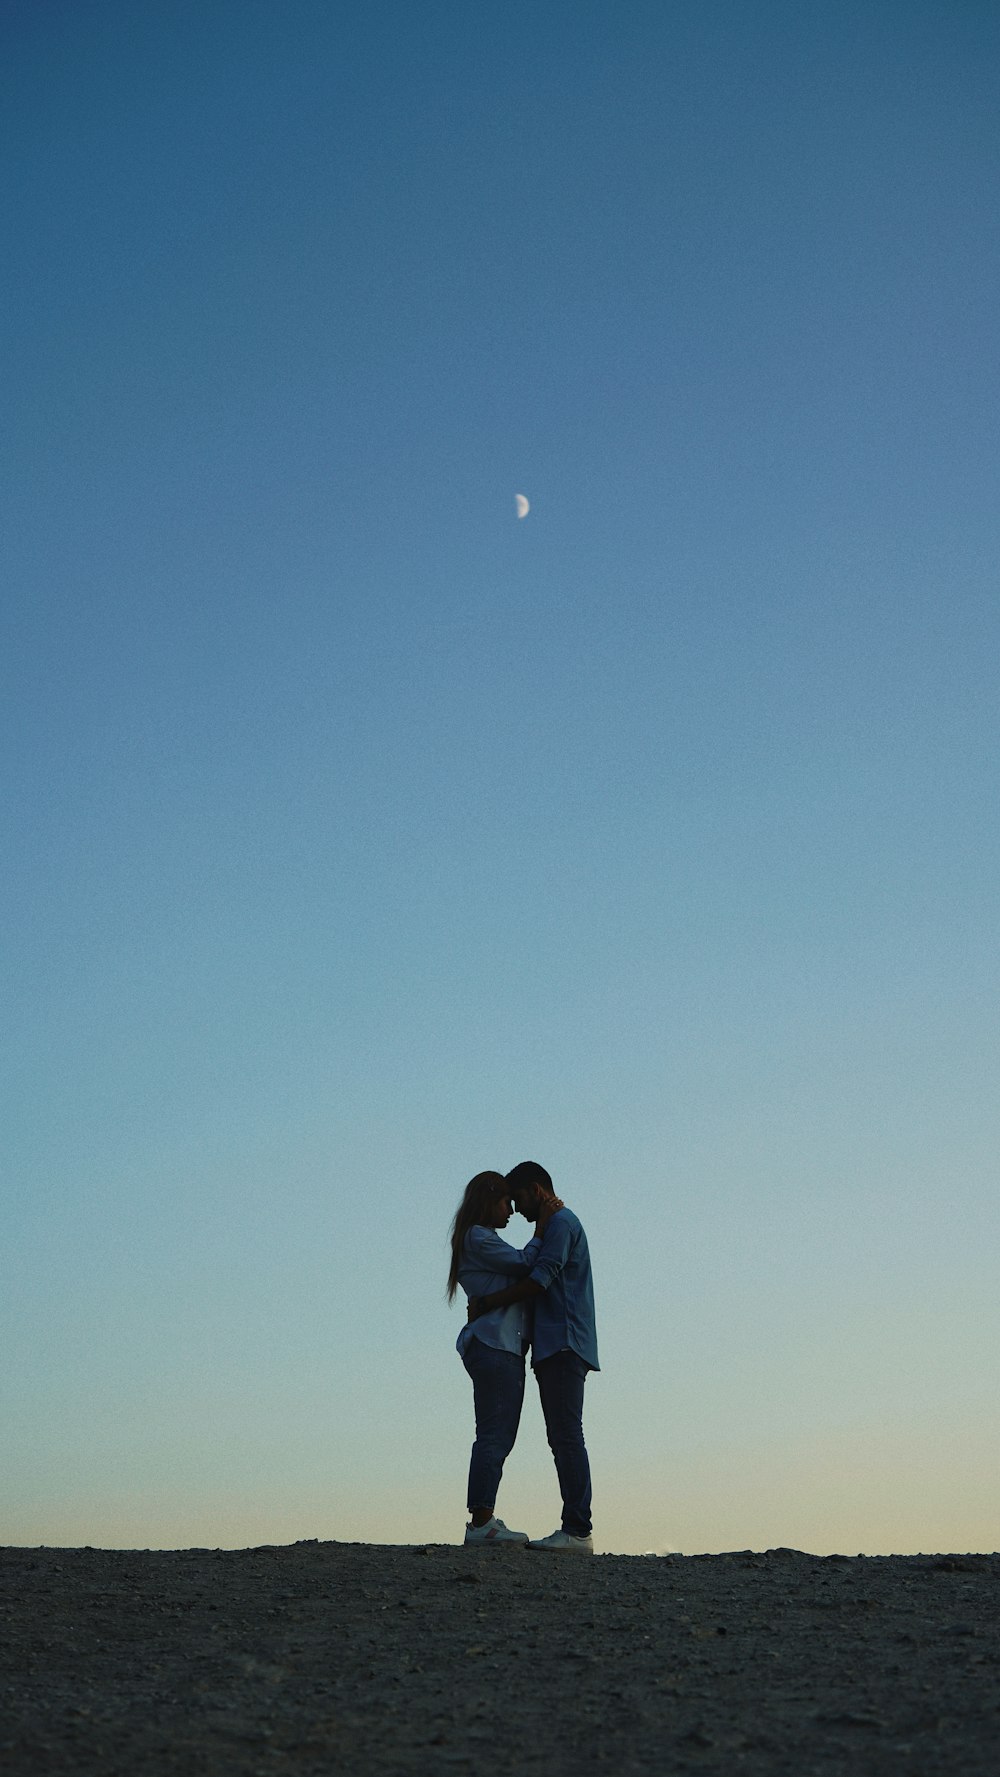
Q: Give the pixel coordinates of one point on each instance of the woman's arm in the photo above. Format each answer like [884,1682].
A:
[495,1254]
[554,1245]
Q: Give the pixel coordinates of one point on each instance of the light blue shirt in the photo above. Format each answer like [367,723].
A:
[488,1264]
[564,1315]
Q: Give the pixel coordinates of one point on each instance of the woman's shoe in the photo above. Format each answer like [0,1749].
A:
[494,1532]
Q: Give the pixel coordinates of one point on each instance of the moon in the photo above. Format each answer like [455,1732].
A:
[522,506]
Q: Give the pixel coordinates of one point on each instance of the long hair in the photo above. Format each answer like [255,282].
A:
[481,1193]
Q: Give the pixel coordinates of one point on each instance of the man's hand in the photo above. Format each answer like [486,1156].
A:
[476,1308]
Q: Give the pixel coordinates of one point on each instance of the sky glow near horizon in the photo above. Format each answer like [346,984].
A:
[359,837]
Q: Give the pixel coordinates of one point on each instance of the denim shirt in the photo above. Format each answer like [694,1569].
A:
[488,1264]
[564,1315]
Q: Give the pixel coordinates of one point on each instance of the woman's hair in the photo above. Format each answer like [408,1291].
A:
[481,1194]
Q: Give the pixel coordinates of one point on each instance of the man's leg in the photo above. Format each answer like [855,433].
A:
[498,1390]
[560,1381]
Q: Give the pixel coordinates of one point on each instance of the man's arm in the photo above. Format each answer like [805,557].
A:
[549,1259]
[516,1292]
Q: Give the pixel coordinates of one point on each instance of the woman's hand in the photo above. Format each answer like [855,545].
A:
[546,1213]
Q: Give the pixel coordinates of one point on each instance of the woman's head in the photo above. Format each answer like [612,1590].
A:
[487,1200]
[485,1203]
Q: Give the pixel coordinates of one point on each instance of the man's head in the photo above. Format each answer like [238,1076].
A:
[529,1185]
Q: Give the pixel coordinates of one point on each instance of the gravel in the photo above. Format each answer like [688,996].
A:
[330,1657]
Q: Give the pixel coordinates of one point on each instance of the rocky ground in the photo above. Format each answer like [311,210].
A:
[336,1657]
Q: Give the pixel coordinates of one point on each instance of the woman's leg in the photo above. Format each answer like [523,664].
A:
[498,1391]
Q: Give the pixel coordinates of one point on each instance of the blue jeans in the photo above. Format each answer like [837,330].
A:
[498,1391]
[560,1381]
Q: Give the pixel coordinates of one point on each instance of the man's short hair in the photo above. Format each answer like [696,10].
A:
[530,1174]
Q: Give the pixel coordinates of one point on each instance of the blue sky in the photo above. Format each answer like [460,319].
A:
[359,836]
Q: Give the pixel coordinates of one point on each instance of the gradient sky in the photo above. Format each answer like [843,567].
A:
[359,836]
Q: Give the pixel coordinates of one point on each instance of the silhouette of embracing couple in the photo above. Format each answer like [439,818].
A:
[539,1298]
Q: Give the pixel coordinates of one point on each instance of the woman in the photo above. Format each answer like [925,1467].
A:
[493,1347]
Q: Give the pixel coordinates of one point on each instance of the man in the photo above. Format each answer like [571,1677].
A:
[564,1342]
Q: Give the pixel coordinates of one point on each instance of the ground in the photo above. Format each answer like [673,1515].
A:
[336,1657]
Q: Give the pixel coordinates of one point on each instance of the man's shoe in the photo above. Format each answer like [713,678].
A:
[565,1543]
[494,1532]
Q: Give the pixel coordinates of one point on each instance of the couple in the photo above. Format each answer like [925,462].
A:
[541,1297]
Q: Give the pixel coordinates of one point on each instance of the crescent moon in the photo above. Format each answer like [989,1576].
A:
[522,506]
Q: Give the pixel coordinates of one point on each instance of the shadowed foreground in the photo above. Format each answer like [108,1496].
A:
[330,1657]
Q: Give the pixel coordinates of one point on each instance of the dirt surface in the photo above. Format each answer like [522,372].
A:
[331,1657]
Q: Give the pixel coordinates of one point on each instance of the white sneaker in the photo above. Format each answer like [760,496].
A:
[494,1532]
[565,1543]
